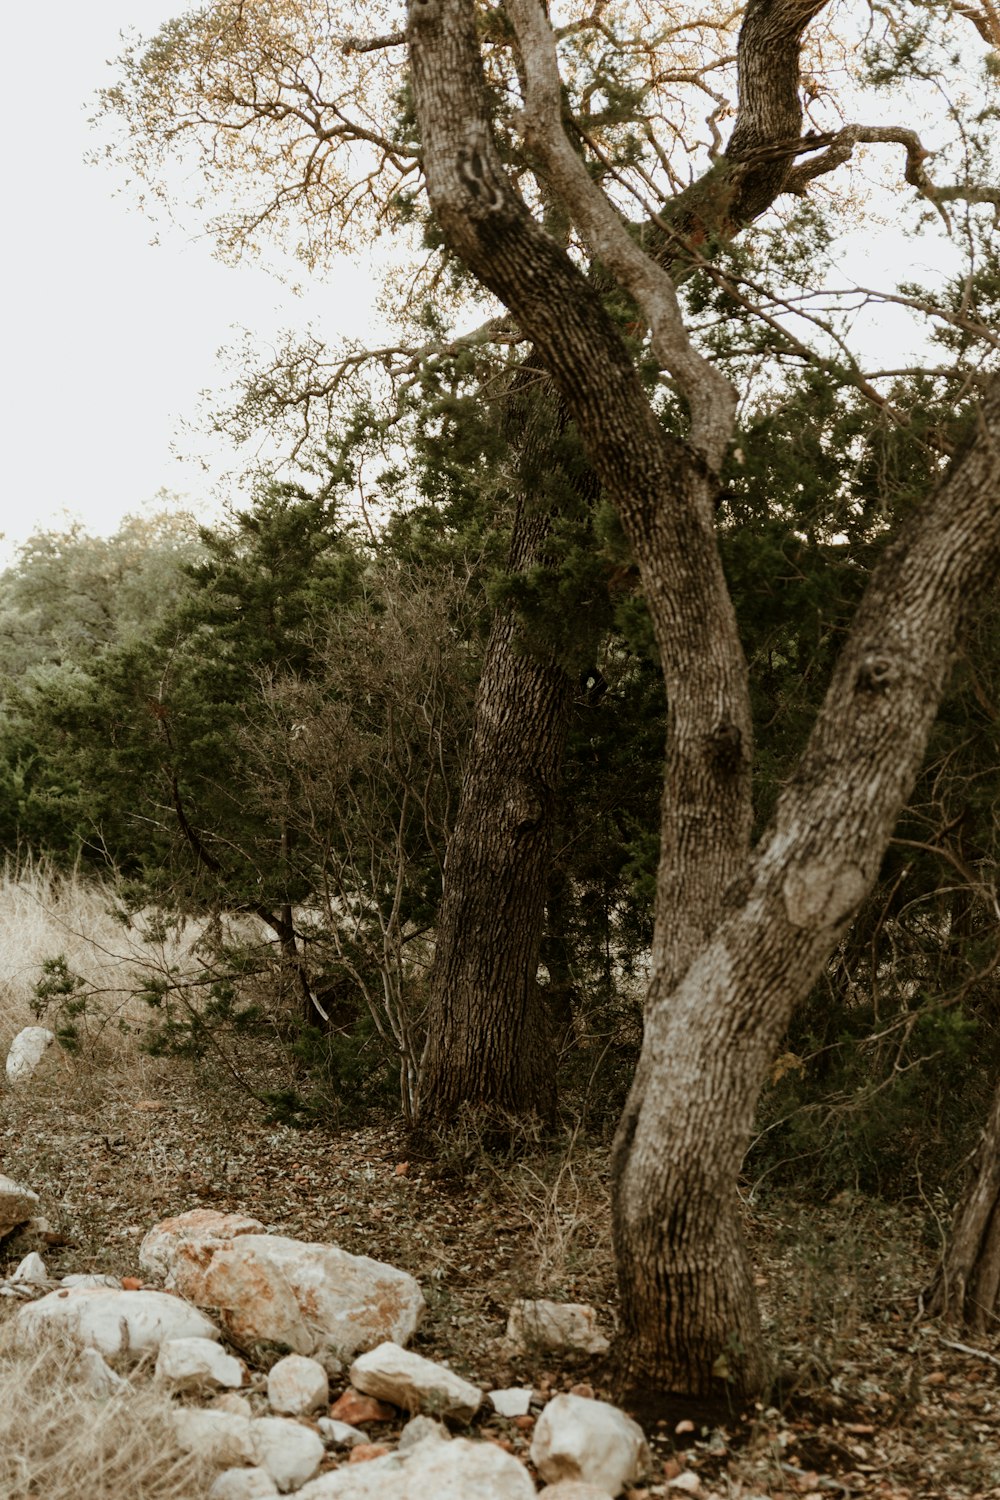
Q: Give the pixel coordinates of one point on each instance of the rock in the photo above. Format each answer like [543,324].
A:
[589,1441]
[414,1383]
[243,1484]
[289,1452]
[459,1470]
[196,1234]
[31,1271]
[113,1321]
[98,1377]
[573,1489]
[90,1278]
[26,1053]
[513,1401]
[196,1366]
[364,1453]
[17,1205]
[314,1299]
[297,1385]
[555,1325]
[422,1430]
[355,1408]
[340,1434]
[232,1401]
[221,1437]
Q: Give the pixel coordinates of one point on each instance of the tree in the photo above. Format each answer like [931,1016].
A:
[741,932]
[744,926]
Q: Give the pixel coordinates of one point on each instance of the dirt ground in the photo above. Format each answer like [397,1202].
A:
[871,1400]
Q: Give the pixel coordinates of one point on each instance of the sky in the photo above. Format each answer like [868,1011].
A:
[109,339]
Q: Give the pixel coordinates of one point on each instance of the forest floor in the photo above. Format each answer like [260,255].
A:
[872,1400]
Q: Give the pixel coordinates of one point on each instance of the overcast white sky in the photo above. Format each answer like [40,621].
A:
[107,339]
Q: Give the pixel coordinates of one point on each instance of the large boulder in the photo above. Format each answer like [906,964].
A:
[26,1053]
[312,1299]
[17,1205]
[414,1383]
[114,1321]
[459,1470]
[590,1441]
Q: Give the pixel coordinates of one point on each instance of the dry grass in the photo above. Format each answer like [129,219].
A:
[60,1443]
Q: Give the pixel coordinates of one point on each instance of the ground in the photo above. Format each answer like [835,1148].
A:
[872,1400]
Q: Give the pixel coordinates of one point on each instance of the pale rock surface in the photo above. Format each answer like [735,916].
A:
[314,1299]
[513,1401]
[98,1377]
[340,1434]
[91,1278]
[422,1430]
[17,1204]
[289,1452]
[195,1235]
[414,1383]
[31,1271]
[577,1438]
[243,1484]
[458,1470]
[222,1437]
[232,1401]
[114,1321]
[26,1053]
[541,1324]
[574,1489]
[196,1366]
[297,1385]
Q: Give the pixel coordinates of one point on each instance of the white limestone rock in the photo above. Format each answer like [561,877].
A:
[243,1484]
[416,1384]
[314,1299]
[196,1366]
[91,1278]
[561,1326]
[234,1402]
[30,1271]
[114,1321]
[340,1434]
[220,1437]
[100,1380]
[422,1430]
[513,1401]
[573,1489]
[195,1235]
[297,1385]
[26,1053]
[289,1452]
[458,1470]
[17,1205]
[590,1441]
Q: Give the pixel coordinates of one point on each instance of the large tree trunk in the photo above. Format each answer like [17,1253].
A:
[966,1289]
[740,935]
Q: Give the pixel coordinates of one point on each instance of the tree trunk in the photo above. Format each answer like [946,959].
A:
[965,1290]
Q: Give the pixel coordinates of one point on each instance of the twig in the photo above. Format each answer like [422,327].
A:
[968,1349]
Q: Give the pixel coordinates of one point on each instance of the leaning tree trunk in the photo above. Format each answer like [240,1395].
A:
[740,935]
[966,1289]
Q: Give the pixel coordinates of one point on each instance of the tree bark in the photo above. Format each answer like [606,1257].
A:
[966,1287]
[740,935]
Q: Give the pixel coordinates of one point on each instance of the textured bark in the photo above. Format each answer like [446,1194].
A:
[489,1042]
[740,935]
[968,1281]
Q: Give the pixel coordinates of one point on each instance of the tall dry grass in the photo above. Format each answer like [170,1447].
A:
[45,915]
[59,1442]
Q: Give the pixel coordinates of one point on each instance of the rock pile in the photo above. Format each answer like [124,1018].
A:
[279,1434]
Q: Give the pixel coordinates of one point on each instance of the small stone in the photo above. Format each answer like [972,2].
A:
[513,1401]
[422,1430]
[31,1271]
[590,1441]
[555,1325]
[574,1489]
[219,1436]
[582,1389]
[688,1483]
[356,1409]
[196,1366]
[524,1422]
[131,1284]
[243,1484]
[100,1380]
[414,1383]
[233,1402]
[364,1453]
[297,1385]
[289,1452]
[340,1434]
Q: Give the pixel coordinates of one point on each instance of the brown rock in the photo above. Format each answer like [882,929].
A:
[363,1453]
[356,1409]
